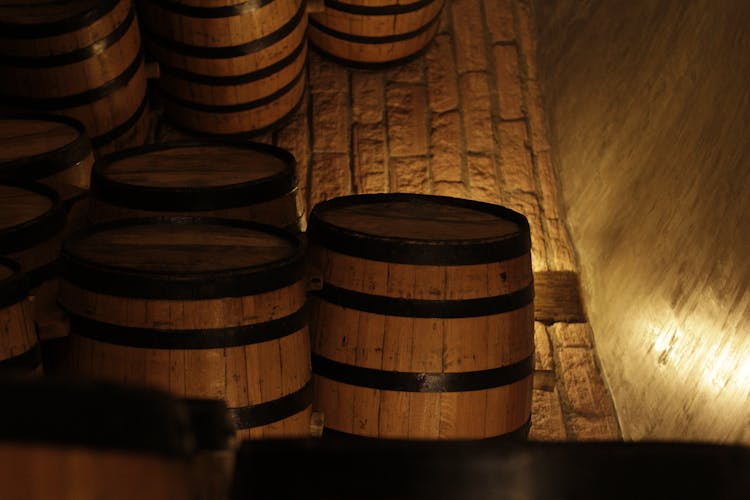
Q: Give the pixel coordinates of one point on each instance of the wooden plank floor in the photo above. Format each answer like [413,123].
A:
[464,120]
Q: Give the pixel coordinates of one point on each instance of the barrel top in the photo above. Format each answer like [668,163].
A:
[182,257]
[77,413]
[37,12]
[35,146]
[21,206]
[194,175]
[382,225]
[30,213]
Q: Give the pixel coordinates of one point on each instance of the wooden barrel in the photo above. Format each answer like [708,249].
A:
[32,224]
[373,35]
[237,180]
[19,347]
[228,68]
[53,150]
[80,58]
[75,441]
[212,464]
[485,471]
[206,308]
[423,328]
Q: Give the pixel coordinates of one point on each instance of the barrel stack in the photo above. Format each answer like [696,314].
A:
[82,59]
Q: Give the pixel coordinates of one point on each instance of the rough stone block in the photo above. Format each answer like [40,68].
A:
[547,422]
[468,30]
[440,67]
[566,335]
[548,187]
[445,144]
[370,158]
[508,82]
[499,20]
[584,392]
[325,75]
[330,123]
[594,428]
[483,184]
[407,119]
[515,159]
[368,97]
[477,115]
[561,254]
[542,348]
[330,177]
[409,175]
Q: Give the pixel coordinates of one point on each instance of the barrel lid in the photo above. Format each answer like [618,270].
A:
[419,229]
[33,146]
[67,412]
[42,19]
[475,470]
[31,213]
[211,424]
[194,175]
[182,258]
[14,286]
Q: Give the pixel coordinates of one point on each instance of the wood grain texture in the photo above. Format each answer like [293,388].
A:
[648,105]
[379,26]
[212,91]
[244,375]
[39,81]
[407,344]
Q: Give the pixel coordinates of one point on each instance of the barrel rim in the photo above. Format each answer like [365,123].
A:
[62,26]
[378,10]
[38,229]
[192,199]
[231,10]
[48,162]
[96,48]
[419,252]
[231,51]
[15,287]
[238,282]
[98,415]
[375,40]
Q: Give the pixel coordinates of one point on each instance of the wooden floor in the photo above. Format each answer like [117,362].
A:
[464,120]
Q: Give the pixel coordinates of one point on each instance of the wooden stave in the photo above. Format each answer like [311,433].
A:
[110,107]
[329,320]
[373,48]
[19,349]
[216,27]
[290,409]
[239,90]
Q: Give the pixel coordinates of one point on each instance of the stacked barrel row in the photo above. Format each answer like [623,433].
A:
[81,59]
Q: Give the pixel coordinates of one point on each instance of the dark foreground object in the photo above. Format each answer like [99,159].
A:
[466,470]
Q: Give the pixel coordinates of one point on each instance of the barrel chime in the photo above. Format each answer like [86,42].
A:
[178,269]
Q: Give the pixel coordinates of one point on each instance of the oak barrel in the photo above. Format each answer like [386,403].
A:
[205,308]
[423,327]
[374,34]
[212,464]
[71,440]
[32,224]
[485,471]
[235,180]
[19,347]
[228,68]
[50,149]
[80,58]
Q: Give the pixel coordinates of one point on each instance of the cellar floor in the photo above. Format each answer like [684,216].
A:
[466,120]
